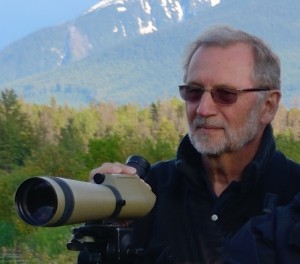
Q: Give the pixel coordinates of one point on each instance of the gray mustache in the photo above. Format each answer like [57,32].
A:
[199,121]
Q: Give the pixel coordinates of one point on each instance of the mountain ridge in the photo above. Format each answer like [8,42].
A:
[90,62]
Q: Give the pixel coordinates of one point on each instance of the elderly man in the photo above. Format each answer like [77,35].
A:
[227,169]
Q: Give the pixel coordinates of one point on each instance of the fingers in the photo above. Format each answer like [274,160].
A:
[112,168]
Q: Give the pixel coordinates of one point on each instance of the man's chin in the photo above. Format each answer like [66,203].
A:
[204,149]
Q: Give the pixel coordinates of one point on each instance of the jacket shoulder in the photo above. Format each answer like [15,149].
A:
[162,175]
[283,178]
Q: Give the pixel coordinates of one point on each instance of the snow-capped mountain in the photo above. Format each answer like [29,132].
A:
[145,14]
[105,25]
[130,50]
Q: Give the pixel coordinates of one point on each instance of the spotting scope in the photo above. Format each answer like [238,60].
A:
[56,201]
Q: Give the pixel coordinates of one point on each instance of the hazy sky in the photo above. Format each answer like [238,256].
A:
[19,18]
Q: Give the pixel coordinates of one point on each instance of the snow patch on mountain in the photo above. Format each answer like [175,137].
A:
[215,2]
[121,9]
[103,4]
[146,28]
[170,7]
[146,6]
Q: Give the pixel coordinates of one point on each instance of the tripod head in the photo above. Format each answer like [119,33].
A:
[108,243]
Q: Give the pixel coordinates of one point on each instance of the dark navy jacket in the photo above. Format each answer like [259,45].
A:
[272,238]
[189,224]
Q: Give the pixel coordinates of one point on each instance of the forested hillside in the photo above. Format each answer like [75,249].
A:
[63,141]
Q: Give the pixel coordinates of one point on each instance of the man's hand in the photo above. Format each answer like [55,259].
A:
[116,168]
[112,168]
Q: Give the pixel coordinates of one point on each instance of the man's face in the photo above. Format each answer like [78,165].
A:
[214,128]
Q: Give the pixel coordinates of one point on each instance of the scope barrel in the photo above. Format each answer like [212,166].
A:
[55,201]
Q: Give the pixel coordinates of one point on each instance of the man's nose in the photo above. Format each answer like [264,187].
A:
[206,105]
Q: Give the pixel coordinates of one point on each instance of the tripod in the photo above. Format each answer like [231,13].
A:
[104,243]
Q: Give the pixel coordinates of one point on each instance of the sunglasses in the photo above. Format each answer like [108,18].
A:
[225,96]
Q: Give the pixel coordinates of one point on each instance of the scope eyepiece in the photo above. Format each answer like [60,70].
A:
[141,165]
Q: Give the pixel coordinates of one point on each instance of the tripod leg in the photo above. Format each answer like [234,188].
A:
[85,257]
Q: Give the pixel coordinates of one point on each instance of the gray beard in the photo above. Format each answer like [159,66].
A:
[232,141]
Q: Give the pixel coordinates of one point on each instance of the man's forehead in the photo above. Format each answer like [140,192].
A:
[223,65]
[238,53]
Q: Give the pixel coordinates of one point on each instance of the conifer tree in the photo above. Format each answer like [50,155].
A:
[16,134]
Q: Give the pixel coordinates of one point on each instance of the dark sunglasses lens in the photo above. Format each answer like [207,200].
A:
[191,94]
[223,96]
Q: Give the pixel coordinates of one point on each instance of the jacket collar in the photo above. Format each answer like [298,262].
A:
[190,161]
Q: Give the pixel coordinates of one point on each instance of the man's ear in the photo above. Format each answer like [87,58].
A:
[270,106]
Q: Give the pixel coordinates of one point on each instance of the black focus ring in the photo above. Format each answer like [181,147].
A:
[69,201]
[120,202]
